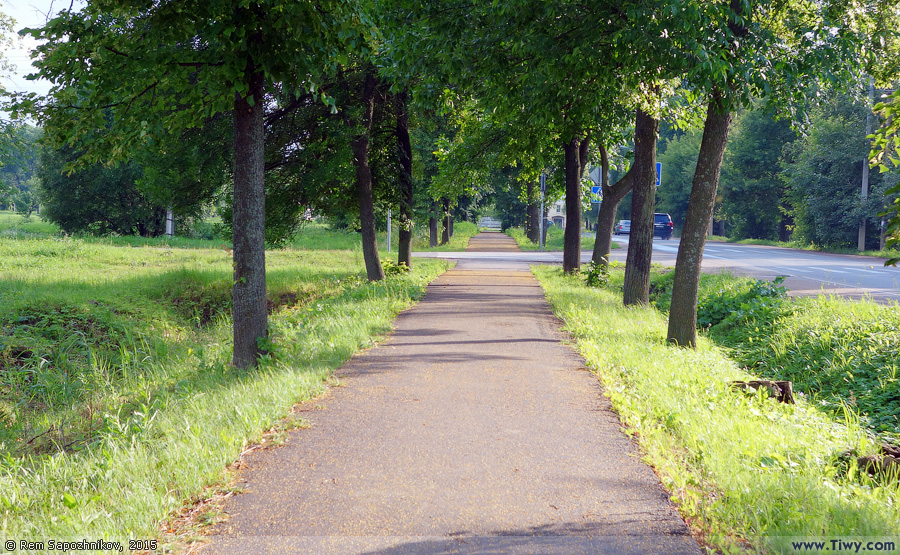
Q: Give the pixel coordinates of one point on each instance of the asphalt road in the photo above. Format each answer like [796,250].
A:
[806,272]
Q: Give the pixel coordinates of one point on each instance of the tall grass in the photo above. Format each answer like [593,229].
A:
[124,405]
[744,469]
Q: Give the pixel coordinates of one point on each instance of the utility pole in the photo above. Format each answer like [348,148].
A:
[543,190]
[389,231]
[861,243]
[170,223]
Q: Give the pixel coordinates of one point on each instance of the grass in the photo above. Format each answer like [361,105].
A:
[840,353]
[554,242]
[745,471]
[117,402]
[886,253]
[311,236]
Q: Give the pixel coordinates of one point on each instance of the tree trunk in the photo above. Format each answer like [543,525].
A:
[533,220]
[606,217]
[683,311]
[452,221]
[433,224]
[249,223]
[643,203]
[445,221]
[404,251]
[360,145]
[572,234]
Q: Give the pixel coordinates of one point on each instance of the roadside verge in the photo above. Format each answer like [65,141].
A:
[744,470]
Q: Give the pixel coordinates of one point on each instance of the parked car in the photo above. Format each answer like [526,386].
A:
[623,227]
[663,226]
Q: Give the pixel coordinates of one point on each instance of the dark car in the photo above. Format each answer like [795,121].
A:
[663,226]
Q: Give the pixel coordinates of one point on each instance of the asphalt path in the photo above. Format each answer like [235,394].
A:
[806,272]
[473,429]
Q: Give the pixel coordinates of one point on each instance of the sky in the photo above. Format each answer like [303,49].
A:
[27,13]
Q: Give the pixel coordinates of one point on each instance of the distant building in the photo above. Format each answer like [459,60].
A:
[556,213]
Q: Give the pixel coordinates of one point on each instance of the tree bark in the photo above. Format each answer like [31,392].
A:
[683,310]
[574,149]
[249,239]
[452,221]
[643,204]
[360,145]
[433,224]
[606,218]
[445,221]
[533,220]
[405,222]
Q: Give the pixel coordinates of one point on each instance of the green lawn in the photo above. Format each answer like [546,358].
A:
[311,236]
[117,402]
[886,253]
[745,471]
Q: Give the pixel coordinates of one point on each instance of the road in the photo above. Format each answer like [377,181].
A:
[807,272]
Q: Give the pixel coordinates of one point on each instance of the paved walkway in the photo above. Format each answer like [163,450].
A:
[471,430]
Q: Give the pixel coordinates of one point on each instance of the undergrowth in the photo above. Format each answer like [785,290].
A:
[840,353]
[747,472]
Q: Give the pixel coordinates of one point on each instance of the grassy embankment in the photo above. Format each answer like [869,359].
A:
[117,403]
[886,253]
[841,354]
[554,242]
[742,468]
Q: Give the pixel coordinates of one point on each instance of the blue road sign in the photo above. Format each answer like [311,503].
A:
[596,194]
[658,173]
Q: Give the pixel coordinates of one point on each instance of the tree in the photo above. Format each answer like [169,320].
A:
[884,151]
[360,145]
[20,151]
[606,213]
[748,49]
[755,196]
[640,241]
[96,198]
[157,68]
[404,150]
[823,173]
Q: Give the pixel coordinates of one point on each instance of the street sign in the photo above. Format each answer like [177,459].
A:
[658,173]
[596,194]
